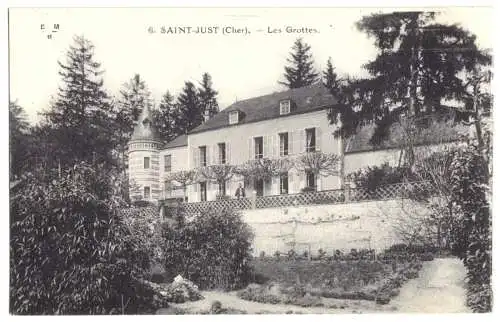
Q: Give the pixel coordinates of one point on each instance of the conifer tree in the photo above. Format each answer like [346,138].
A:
[330,78]
[18,138]
[167,118]
[300,72]
[81,118]
[190,108]
[208,96]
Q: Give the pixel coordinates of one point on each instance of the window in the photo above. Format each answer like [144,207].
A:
[310,180]
[203,156]
[284,183]
[284,107]
[147,193]
[259,147]
[168,163]
[222,188]
[310,140]
[203,191]
[259,187]
[222,153]
[168,188]
[146,162]
[233,117]
[283,144]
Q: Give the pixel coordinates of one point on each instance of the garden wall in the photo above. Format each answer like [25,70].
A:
[368,224]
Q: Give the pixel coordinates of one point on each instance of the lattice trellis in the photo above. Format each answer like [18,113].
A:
[393,191]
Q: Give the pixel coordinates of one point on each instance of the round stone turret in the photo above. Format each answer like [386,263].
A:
[144,159]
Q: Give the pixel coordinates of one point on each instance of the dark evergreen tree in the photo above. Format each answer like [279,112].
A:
[18,139]
[81,119]
[167,118]
[418,68]
[134,96]
[331,79]
[300,72]
[208,96]
[190,108]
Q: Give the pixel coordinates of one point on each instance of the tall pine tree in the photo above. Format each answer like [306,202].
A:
[18,139]
[81,119]
[167,118]
[208,96]
[330,78]
[419,66]
[300,72]
[134,96]
[190,108]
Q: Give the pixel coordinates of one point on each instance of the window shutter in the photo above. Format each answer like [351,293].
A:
[318,182]
[318,139]
[196,157]
[215,154]
[275,185]
[291,182]
[275,142]
[302,141]
[302,180]
[267,146]
[291,137]
[250,149]
[228,153]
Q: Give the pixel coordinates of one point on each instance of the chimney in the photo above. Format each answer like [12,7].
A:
[206,115]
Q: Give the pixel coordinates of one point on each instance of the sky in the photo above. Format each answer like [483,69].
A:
[242,65]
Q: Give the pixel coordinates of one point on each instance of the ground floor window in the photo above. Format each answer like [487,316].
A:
[203,191]
[284,183]
[222,188]
[310,180]
[147,193]
[259,187]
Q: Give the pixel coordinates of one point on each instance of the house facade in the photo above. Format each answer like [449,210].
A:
[281,125]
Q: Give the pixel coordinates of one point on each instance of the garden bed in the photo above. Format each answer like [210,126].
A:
[302,282]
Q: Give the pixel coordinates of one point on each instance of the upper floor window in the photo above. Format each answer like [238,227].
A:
[233,117]
[283,144]
[168,163]
[147,163]
[284,107]
[203,156]
[310,140]
[222,153]
[259,147]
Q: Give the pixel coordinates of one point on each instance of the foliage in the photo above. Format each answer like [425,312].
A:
[80,122]
[301,71]
[331,80]
[208,96]
[166,118]
[320,163]
[212,250]
[376,176]
[472,226]
[70,251]
[258,169]
[183,178]
[190,108]
[418,69]
[19,139]
[217,173]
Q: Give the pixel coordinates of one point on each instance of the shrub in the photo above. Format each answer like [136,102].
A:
[212,250]
[70,251]
[262,255]
[307,189]
[321,253]
[277,255]
[291,254]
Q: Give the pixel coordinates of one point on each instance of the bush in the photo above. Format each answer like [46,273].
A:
[212,250]
[307,189]
[70,251]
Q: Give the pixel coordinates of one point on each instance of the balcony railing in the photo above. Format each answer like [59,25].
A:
[393,191]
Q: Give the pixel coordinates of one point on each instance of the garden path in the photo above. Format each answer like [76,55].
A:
[440,288]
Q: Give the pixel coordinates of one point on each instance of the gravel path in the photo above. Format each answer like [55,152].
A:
[438,289]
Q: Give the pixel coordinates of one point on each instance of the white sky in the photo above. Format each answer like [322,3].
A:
[241,66]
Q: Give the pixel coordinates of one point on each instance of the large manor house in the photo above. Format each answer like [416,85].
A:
[277,125]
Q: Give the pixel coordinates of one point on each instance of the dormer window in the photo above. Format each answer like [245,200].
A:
[285,107]
[233,117]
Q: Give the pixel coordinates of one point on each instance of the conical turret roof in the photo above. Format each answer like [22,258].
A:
[144,129]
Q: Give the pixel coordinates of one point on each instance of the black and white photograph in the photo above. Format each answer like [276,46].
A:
[203,161]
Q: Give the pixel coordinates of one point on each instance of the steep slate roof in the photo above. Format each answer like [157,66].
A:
[144,129]
[438,132]
[303,100]
[179,141]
